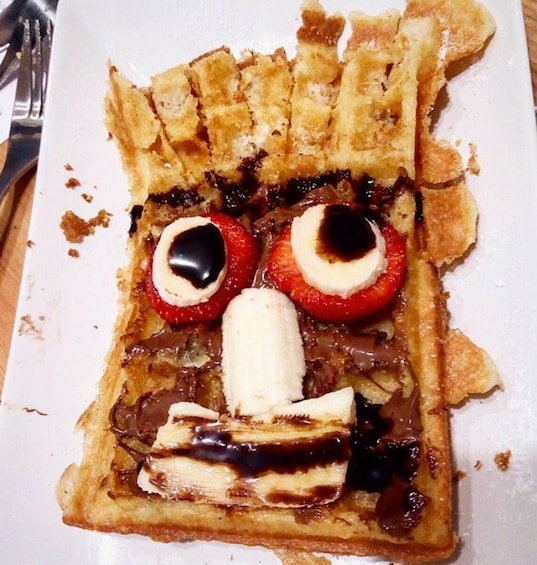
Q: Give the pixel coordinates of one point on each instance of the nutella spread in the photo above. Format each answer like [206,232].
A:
[384,445]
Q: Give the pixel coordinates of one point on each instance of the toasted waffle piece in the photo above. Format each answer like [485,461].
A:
[225,113]
[266,82]
[316,77]
[450,219]
[150,161]
[469,368]
[260,139]
[466,26]
[375,116]
[178,110]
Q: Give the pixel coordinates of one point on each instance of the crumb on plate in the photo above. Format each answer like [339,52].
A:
[503,460]
[76,228]
[72,182]
[473,166]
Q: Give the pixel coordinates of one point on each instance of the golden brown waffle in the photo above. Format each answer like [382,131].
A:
[239,136]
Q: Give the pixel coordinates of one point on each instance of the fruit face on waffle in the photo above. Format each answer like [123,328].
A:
[282,363]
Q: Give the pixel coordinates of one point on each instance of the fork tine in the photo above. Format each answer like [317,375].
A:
[37,91]
[23,95]
[46,46]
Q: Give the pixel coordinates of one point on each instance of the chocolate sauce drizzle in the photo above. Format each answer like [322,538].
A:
[253,459]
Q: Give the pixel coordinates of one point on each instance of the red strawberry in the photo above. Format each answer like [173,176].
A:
[284,271]
[241,256]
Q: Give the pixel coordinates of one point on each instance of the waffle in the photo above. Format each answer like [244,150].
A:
[256,137]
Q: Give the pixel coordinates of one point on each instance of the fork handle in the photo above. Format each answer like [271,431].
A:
[6,207]
[16,165]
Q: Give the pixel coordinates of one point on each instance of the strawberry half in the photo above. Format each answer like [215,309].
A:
[241,256]
[287,277]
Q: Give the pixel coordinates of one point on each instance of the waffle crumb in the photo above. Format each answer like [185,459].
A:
[473,166]
[76,228]
[503,460]
[72,182]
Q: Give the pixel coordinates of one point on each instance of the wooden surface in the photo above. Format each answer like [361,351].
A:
[13,245]
[12,250]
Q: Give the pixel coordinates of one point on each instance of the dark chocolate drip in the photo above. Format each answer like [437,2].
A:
[383,447]
[316,495]
[385,457]
[177,197]
[251,459]
[418,213]
[198,255]
[344,234]
[136,214]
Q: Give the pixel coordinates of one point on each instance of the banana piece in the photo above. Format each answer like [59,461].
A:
[174,288]
[335,406]
[332,258]
[262,355]
[293,456]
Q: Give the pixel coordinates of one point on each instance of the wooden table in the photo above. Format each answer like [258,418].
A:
[13,247]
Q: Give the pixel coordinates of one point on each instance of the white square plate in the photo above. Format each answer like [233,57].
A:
[68,305]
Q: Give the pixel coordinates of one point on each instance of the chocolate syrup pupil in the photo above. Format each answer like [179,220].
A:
[344,234]
[198,255]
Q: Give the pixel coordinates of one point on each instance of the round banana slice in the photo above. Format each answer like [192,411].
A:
[337,250]
[189,262]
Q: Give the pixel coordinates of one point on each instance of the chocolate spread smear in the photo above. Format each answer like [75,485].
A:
[385,457]
[176,340]
[400,507]
[142,419]
[385,441]
[364,351]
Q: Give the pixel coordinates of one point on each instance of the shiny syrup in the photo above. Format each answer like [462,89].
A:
[198,255]
[344,234]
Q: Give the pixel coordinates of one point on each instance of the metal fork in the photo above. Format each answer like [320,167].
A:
[27,117]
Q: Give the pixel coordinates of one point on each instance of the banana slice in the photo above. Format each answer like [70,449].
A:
[262,355]
[337,250]
[293,456]
[189,263]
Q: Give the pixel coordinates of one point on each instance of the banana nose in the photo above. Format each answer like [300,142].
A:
[263,363]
